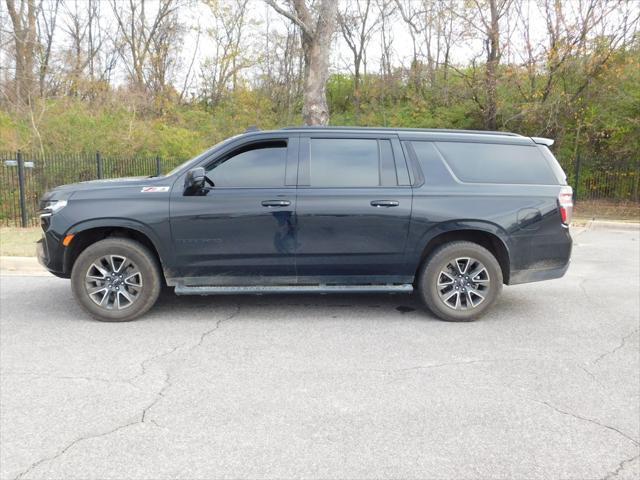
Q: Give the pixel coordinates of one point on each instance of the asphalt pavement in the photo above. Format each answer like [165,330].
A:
[547,385]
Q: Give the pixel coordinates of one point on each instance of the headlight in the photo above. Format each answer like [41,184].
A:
[52,206]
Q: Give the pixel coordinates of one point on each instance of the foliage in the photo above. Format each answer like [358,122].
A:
[601,123]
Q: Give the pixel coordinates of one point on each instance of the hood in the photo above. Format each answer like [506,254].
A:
[65,191]
[109,183]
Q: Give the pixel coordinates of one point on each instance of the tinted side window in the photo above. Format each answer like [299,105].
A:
[256,165]
[344,162]
[388,174]
[433,168]
[555,166]
[494,163]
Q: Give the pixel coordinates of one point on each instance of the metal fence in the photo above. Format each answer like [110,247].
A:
[24,177]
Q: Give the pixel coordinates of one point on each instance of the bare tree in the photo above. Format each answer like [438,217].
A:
[578,41]
[414,15]
[164,57]
[282,67]
[497,8]
[317,24]
[387,10]
[46,27]
[24,19]
[483,17]
[220,69]
[357,23]
[140,34]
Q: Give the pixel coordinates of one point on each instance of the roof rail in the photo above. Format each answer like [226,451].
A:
[427,130]
[252,128]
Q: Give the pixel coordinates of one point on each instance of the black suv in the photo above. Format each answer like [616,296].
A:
[451,214]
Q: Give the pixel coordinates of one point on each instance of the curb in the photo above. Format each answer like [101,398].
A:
[22,266]
[613,225]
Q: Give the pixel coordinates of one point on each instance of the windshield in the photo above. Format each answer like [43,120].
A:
[204,154]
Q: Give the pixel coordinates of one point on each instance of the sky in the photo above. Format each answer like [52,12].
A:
[198,45]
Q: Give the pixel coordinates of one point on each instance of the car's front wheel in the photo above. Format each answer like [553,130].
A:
[459,281]
[116,279]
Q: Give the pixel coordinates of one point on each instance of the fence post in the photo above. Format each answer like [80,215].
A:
[21,188]
[158,166]
[99,164]
[576,179]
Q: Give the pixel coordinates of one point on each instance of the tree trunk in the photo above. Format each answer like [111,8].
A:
[24,29]
[315,110]
[357,93]
[317,30]
[493,58]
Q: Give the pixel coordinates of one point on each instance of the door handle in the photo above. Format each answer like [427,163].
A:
[384,203]
[276,203]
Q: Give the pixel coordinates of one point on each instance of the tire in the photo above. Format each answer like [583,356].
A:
[443,271]
[123,275]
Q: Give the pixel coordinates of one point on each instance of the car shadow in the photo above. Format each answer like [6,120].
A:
[393,303]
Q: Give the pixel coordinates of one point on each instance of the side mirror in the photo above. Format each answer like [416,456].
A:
[194,180]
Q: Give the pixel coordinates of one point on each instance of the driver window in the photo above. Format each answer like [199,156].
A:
[256,165]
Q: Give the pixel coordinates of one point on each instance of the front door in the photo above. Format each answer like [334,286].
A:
[353,210]
[239,231]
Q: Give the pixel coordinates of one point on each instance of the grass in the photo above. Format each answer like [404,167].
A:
[19,242]
[607,210]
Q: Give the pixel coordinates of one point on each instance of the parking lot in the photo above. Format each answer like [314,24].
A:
[545,386]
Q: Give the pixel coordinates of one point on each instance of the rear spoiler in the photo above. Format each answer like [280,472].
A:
[543,141]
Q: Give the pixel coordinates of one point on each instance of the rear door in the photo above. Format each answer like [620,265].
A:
[353,209]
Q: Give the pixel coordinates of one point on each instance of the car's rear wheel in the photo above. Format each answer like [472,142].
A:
[460,281]
[116,280]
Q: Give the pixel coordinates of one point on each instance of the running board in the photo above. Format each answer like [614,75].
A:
[227,290]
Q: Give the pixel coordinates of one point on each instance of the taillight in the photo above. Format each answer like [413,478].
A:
[565,201]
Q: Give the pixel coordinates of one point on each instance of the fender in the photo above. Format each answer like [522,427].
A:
[118,222]
[415,251]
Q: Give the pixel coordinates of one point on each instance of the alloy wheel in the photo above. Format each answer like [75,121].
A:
[113,282]
[463,283]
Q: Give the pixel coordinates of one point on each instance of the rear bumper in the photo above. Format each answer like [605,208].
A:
[527,276]
[540,256]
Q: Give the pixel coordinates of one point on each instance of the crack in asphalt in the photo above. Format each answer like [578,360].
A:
[145,410]
[204,335]
[167,380]
[109,381]
[623,341]
[620,467]
[144,363]
[451,364]
[588,297]
[35,465]
[159,396]
[592,376]
[590,420]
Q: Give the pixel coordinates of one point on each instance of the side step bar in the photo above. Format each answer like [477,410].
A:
[227,290]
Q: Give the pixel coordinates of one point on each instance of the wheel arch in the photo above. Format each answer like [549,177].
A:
[488,236]
[87,233]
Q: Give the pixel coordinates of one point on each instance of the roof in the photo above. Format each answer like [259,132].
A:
[416,134]
[408,130]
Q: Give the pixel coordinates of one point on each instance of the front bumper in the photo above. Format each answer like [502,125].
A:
[50,252]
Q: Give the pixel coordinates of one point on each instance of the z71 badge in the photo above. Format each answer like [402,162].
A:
[154,189]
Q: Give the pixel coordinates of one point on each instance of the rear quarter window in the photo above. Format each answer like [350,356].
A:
[496,163]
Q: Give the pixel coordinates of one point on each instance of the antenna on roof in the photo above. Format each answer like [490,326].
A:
[252,128]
